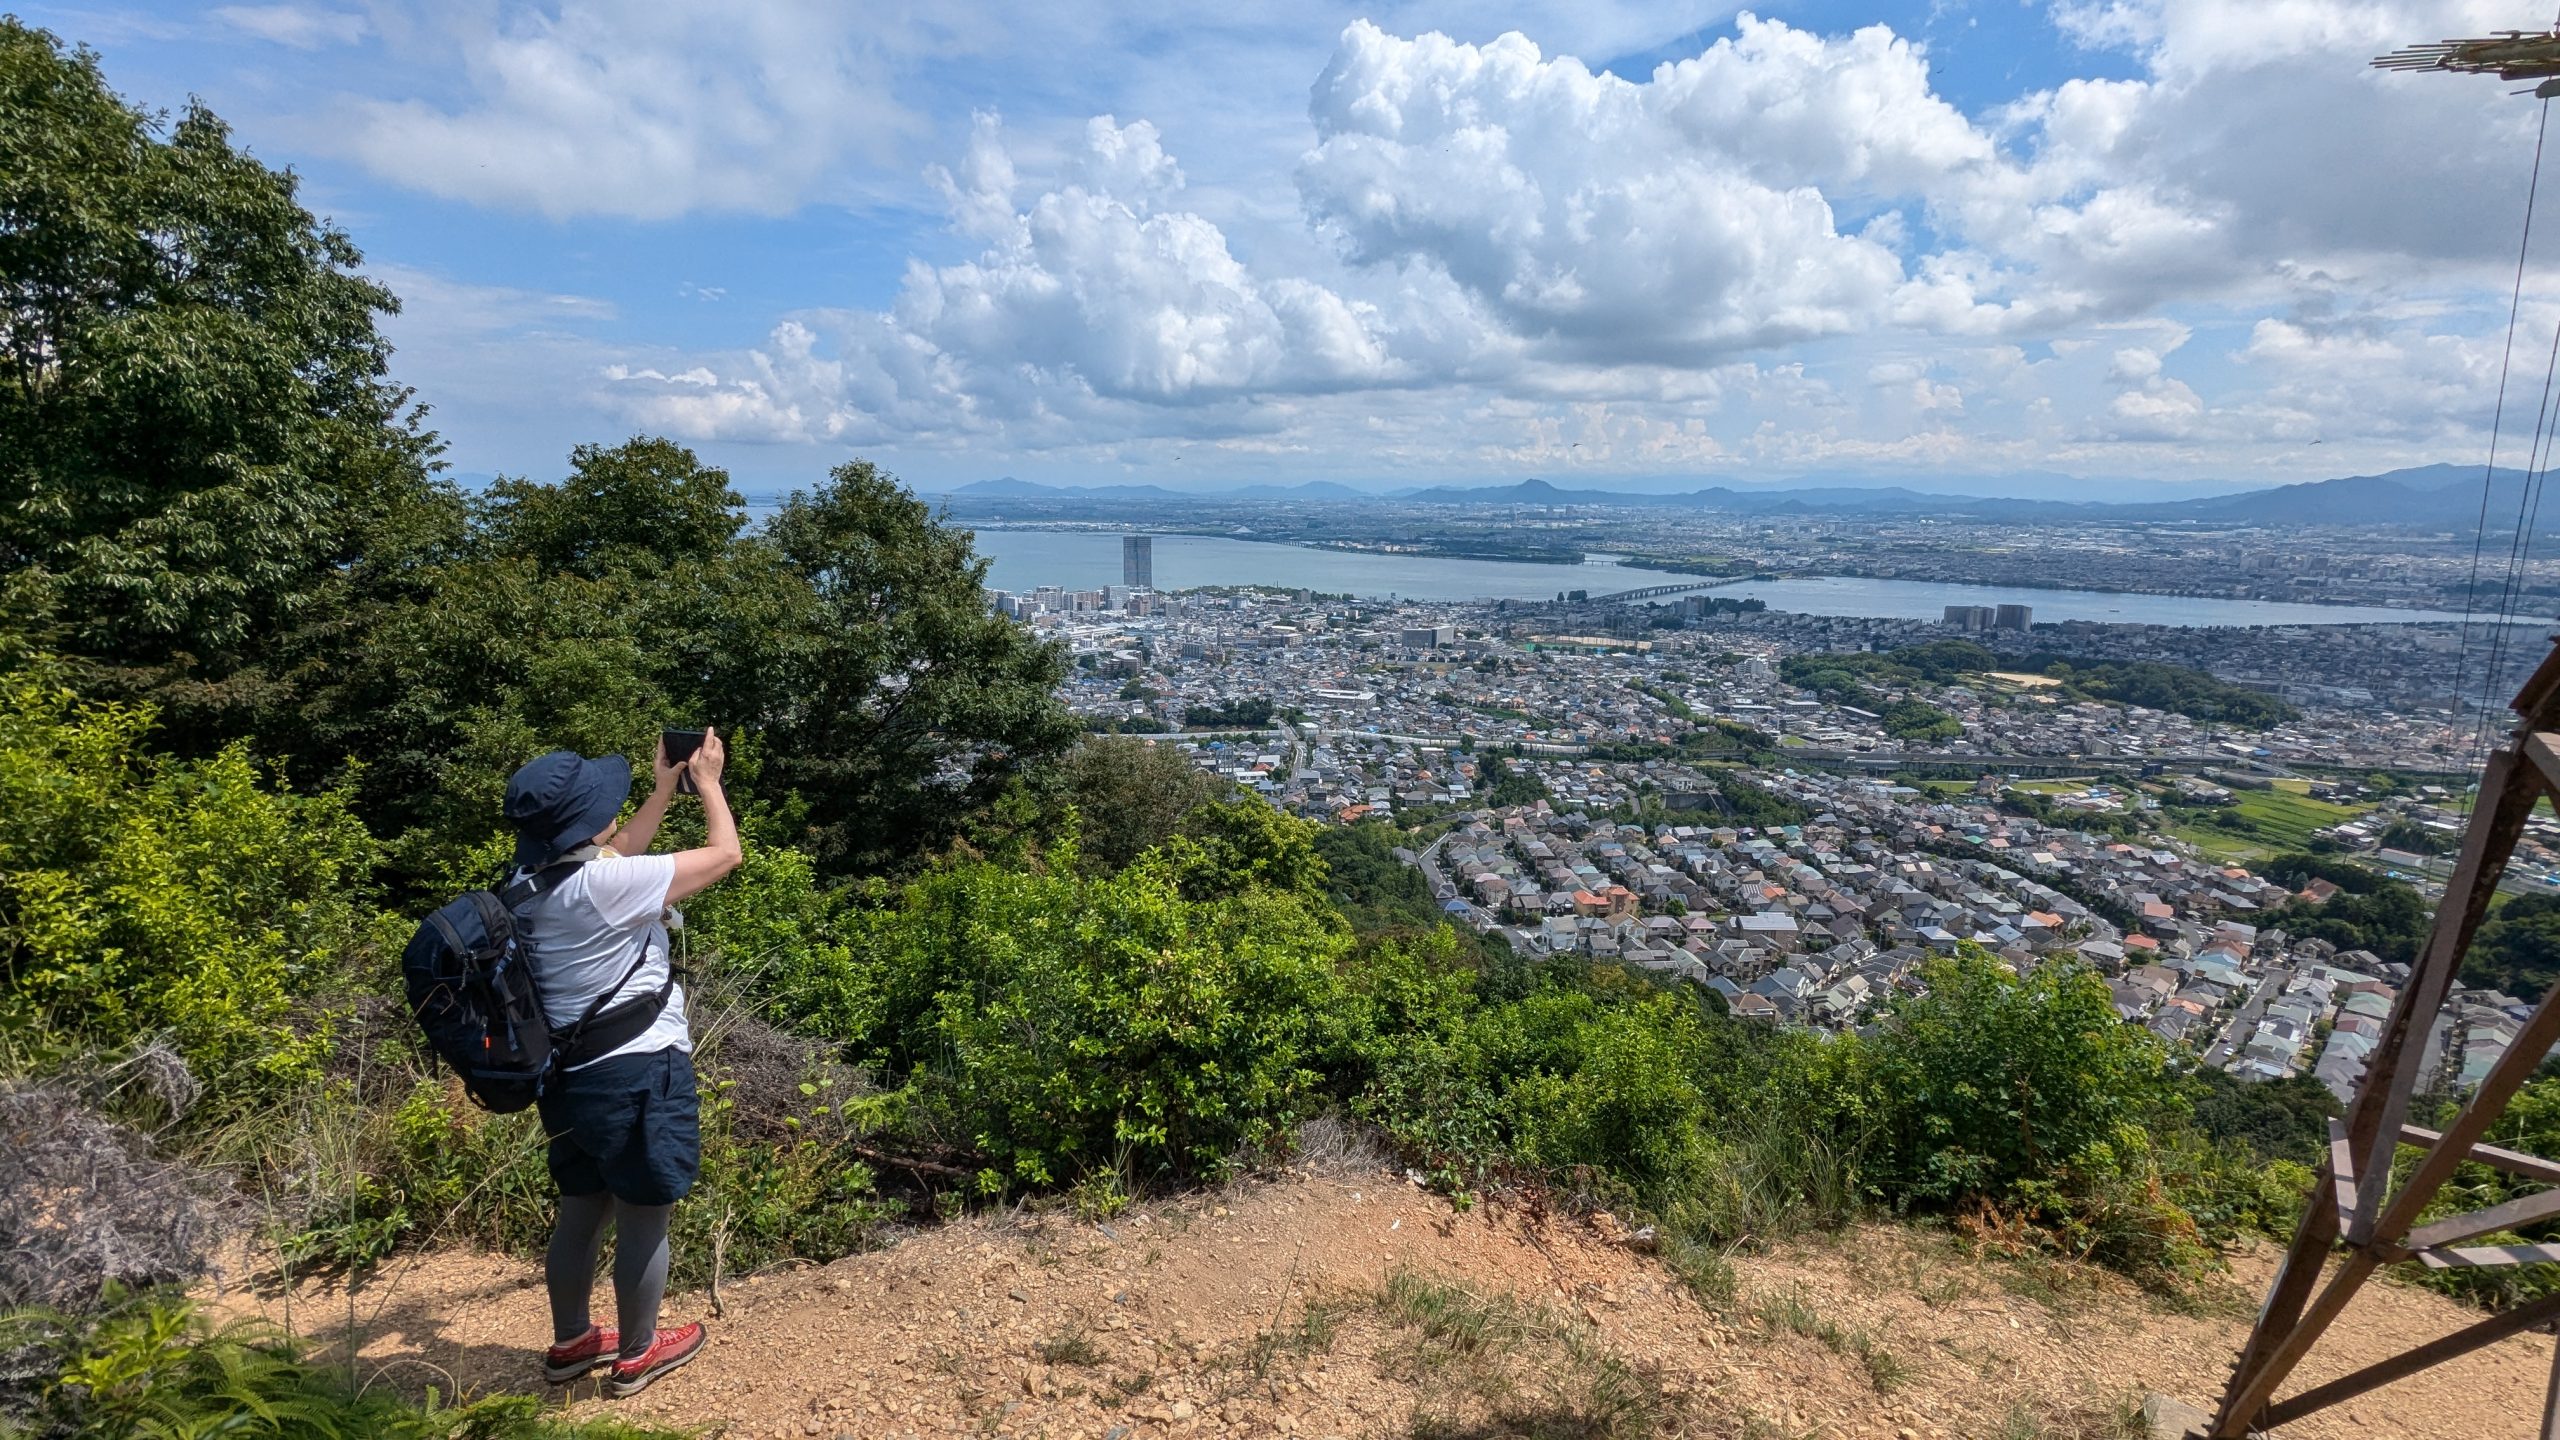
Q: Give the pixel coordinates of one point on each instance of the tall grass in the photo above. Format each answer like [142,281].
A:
[1773,1178]
[1492,1365]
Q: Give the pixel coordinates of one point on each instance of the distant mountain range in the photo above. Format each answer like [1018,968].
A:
[2431,497]
[1008,488]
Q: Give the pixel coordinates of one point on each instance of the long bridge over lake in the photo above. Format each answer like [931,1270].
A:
[1652,592]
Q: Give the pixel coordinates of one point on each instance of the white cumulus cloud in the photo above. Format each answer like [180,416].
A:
[647,109]
[1786,249]
[1089,303]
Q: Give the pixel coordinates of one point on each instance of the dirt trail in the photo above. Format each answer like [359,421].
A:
[1257,1312]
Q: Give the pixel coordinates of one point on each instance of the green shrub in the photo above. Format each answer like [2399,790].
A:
[1056,1023]
[1993,1082]
[143,897]
[779,1177]
[1613,1091]
[781,937]
[800,1193]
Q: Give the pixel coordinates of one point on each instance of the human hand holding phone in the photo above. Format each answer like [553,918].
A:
[676,750]
[709,760]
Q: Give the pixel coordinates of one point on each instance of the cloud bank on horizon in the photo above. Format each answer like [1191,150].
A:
[2176,239]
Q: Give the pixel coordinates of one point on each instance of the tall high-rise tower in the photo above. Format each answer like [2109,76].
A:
[1138,561]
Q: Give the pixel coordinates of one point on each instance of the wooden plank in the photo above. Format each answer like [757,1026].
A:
[2342,1170]
[2507,1215]
[2410,1362]
[2514,1162]
[2487,1257]
[2551,1401]
[2538,701]
[2542,747]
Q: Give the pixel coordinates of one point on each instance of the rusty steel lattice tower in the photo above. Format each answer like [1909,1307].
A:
[2357,1219]
[2354,1209]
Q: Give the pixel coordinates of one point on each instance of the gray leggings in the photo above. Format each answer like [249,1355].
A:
[639,1266]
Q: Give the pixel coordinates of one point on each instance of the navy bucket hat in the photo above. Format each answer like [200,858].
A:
[562,800]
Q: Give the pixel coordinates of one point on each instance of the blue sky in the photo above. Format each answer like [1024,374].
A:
[2163,245]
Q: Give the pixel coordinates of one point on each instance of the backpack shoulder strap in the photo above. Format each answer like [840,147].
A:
[547,876]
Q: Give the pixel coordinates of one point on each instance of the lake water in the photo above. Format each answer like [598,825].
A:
[1077,559]
[1928,600]
[1083,560]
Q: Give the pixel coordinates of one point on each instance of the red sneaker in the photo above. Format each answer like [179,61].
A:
[566,1362]
[635,1373]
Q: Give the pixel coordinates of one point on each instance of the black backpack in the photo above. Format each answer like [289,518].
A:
[474,993]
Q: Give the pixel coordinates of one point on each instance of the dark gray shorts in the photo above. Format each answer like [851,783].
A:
[631,1125]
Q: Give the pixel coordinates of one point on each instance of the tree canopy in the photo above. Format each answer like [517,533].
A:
[198,435]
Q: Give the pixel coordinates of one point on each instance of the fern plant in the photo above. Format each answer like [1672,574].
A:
[154,1367]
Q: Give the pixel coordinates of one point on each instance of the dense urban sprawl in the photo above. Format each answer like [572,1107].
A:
[1565,775]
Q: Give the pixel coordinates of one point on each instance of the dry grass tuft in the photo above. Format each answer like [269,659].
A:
[1331,1146]
[86,1206]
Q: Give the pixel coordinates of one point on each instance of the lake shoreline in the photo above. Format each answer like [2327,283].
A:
[1087,555]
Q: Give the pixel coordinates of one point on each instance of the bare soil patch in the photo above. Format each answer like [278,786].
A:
[1357,1305]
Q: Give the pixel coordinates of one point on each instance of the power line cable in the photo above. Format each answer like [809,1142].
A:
[2528,494]
[2480,529]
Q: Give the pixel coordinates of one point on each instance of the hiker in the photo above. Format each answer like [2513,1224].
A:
[626,1142]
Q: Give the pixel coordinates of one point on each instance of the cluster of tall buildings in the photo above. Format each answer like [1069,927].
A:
[1990,617]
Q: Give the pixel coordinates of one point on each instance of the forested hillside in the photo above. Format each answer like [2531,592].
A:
[267,669]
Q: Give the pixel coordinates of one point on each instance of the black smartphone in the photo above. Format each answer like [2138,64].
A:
[680,747]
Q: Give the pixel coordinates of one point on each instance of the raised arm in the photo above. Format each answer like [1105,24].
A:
[641,831]
[699,870]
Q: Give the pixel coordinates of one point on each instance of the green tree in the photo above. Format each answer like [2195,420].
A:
[1130,796]
[2417,839]
[1232,845]
[2284,1119]
[2518,948]
[1919,722]
[1374,890]
[1241,714]
[878,705]
[897,704]
[197,435]
[644,505]
[1503,786]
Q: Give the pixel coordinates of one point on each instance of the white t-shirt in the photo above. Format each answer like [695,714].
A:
[584,932]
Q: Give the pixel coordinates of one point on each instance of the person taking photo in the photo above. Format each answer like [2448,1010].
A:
[624,1126]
